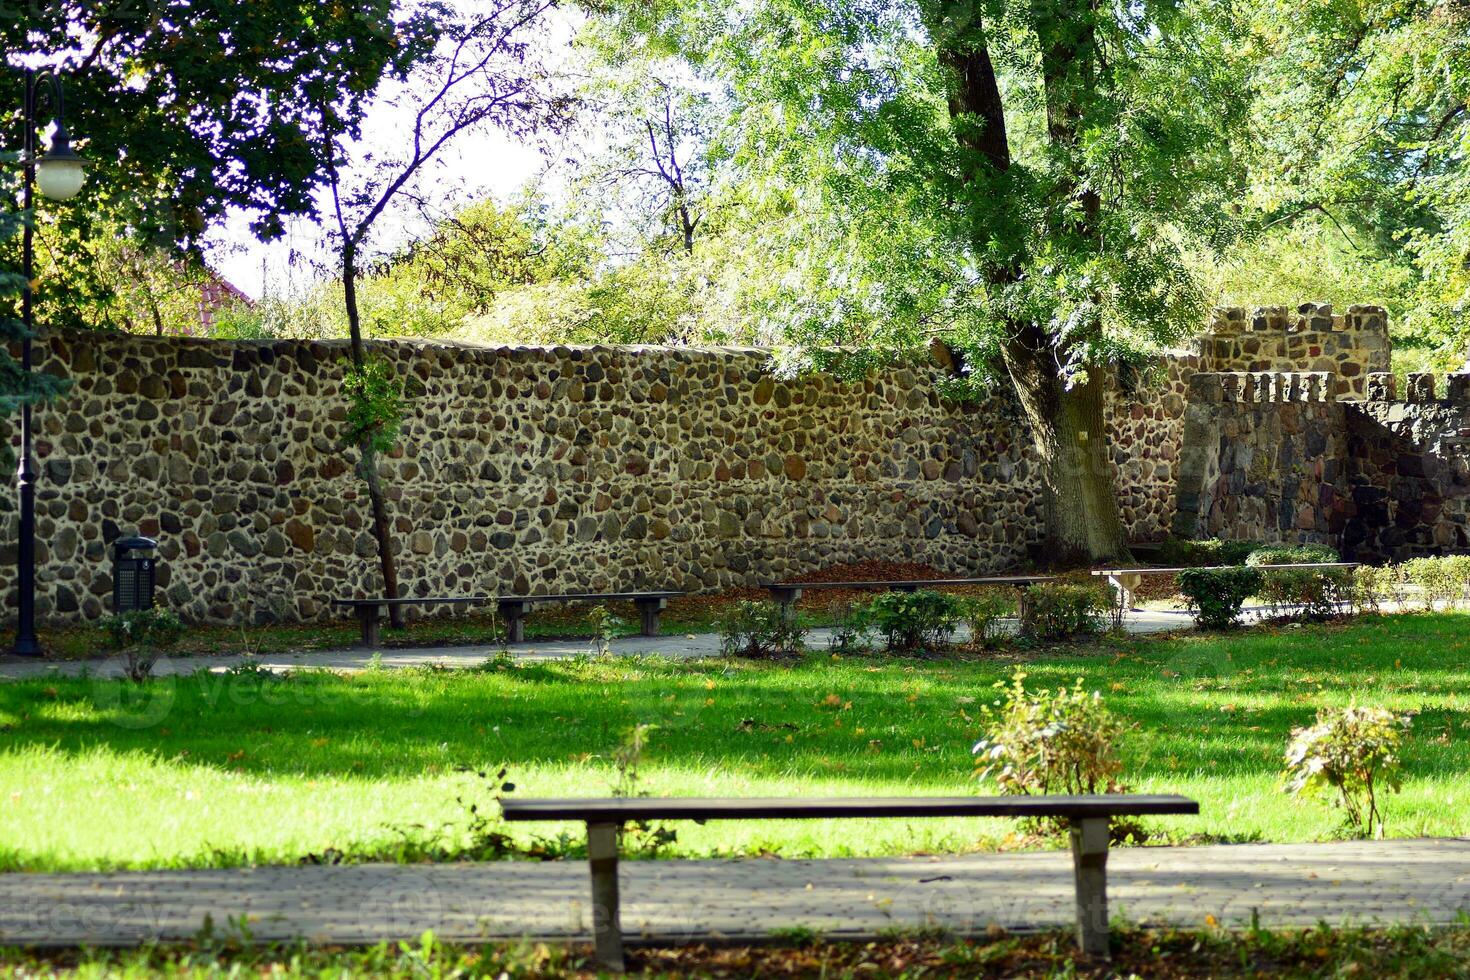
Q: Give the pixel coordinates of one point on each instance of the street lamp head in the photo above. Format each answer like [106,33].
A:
[59,170]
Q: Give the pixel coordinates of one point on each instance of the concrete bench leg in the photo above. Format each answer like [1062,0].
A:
[607,932]
[787,598]
[648,613]
[514,614]
[367,619]
[1090,868]
[1125,586]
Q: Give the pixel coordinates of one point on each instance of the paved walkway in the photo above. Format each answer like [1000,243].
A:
[678,646]
[1414,881]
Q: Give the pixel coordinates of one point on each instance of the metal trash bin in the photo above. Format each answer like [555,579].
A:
[133,574]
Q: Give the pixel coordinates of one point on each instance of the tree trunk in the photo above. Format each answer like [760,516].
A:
[1067,425]
[1069,432]
[368,465]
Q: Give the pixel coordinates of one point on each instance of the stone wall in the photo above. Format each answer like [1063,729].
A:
[1264,458]
[520,470]
[1411,468]
[1348,345]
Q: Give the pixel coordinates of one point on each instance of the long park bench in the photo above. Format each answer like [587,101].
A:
[1125,581]
[1089,817]
[786,593]
[513,609]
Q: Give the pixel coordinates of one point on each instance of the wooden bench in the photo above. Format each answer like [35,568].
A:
[1089,817]
[513,609]
[787,593]
[1126,580]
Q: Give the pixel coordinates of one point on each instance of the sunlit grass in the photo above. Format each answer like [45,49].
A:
[213,769]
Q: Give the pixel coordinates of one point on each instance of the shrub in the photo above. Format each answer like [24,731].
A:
[1443,581]
[983,615]
[759,630]
[850,631]
[141,636]
[1304,554]
[1370,587]
[1056,612]
[1049,741]
[606,627]
[919,620]
[1350,756]
[1209,551]
[1216,595]
[1301,592]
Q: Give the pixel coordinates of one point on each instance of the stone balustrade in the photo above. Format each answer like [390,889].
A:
[1420,387]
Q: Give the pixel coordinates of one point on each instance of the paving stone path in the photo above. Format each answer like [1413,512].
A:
[1363,883]
[690,645]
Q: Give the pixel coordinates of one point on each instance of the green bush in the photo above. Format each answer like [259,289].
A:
[1056,612]
[983,615]
[1303,554]
[141,636]
[919,620]
[1370,587]
[1442,581]
[1182,552]
[850,633]
[1216,595]
[1349,756]
[1062,741]
[1301,593]
[759,630]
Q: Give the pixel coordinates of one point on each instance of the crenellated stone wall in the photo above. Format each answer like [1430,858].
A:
[1348,345]
[595,468]
[1264,458]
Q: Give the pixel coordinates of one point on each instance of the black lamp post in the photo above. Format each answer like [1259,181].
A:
[58,173]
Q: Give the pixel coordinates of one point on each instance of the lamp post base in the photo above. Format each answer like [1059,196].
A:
[29,647]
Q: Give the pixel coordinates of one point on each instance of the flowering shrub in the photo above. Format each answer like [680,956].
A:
[141,637]
[1350,756]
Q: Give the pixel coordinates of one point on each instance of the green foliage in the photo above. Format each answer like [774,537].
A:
[983,614]
[606,627]
[375,407]
[913,621]
[1350,756]
[1306,554]
[1444,582]
[1207,551]
[639,838]
[142,636]
[758,630]
[850,631]
[1370,587]
[1057,741]
[1053,611]
[1216,595]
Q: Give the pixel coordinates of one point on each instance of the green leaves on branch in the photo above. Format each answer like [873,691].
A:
[375,406]
[1350,757]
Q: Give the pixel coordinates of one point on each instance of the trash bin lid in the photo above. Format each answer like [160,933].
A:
[122,545]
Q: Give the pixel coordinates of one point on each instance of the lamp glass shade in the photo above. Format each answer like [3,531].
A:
[59,177]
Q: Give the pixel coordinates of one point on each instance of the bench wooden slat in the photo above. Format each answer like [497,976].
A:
[627,809]
[1218,568]
[427,601]
[916,583]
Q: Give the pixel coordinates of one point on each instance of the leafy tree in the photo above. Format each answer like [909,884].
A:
[17,387]
[1019,180]
[1365,110]
[481,72]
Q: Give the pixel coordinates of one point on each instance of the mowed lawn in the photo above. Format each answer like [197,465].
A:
[220,770]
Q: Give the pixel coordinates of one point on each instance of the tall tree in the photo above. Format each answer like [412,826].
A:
[1017,178]
[482,72]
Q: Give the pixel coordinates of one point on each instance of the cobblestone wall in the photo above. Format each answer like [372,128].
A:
[1411,468]
[1264,458]
[520,470]
[1348,345]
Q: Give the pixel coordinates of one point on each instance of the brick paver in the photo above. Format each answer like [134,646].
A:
[1410,881]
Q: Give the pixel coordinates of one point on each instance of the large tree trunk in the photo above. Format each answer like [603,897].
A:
[368,464]
[1067,424]
[1069,432]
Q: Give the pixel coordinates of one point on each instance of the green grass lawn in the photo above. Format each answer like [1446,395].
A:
[217,769]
